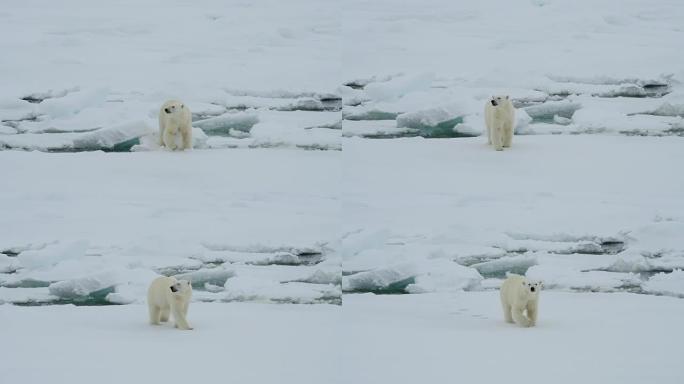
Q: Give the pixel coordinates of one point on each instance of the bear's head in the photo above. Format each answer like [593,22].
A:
[181,286]
[173,107]
[532,288]
[498,100]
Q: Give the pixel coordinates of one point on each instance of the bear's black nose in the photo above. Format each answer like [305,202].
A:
[532,289]
[494,103]
[167,110]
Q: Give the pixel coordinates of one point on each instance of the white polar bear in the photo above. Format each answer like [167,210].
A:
[175,119]
[167,295]
[517,296]
[500,120]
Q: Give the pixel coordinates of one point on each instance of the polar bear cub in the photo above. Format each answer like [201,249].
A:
[175,120]
[500,120]
[519,295]
[167,295]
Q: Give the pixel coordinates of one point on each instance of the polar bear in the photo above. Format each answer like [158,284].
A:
[175,119]
[500,120]
[517,296]
[167,295]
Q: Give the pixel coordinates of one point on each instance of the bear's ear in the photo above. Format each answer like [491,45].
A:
[523,283]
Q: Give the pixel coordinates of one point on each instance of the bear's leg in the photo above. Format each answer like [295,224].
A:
[508,135]
[532,313]
[165,313]
[169,139]
[179,318]
[507,312]
[161,136]
[154,314]
[185,310]
[187,139]
[519,317]
[497,137]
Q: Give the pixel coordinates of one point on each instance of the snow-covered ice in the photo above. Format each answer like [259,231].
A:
[74,77]
[579,338]
[606,67]
[104,224]
[585,212]
[311,176]
[244,342]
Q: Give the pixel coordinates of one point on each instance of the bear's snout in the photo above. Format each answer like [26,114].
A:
[494,103]
[532,289]
[167,110]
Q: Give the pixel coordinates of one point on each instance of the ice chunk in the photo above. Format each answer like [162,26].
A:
[73,103]
[546,111]
[40,142]
[122,135]
[668,109]
[438,121]
[431,275]
[214,276]
[273,134]
[630,262]
[241,121]
[26,295]
[389,279]
[375,129]
[12,109]
[52,254]
[445,275]
[399,86]
[242,288]
[670,284]
[499,267]
[568,278]
[80,287]
[323,277]
[8,264]
[6,130]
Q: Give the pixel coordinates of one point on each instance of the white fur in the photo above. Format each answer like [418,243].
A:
[520,300]
[175,119]
[162,301]
[500,121]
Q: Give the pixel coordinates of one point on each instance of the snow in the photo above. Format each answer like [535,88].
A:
[580,77]
[580,222]
[108,72]
[580,337]
[311,176]
[671,284]
[95,226]
[244,342]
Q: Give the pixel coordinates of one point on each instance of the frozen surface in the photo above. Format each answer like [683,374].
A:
[580,337]
[582,213]
[74,76]
[96,228]
[609,67]
[235,340]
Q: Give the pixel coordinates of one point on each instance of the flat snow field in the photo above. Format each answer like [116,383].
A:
[461,337]
[237,342]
